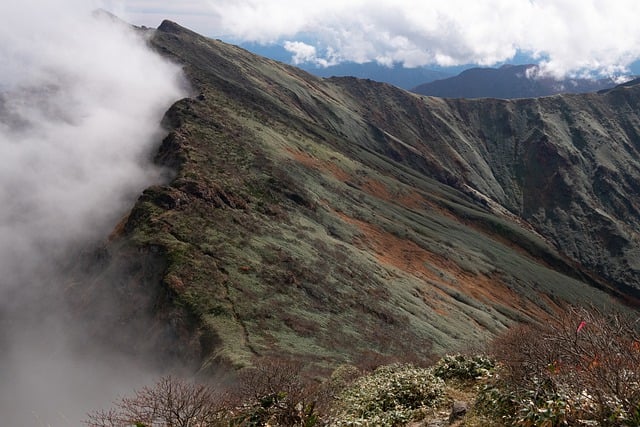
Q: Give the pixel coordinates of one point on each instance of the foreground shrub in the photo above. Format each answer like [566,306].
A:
[390,396]
[271,393]
[463,367]
[170,402]
[584,368]
[539,405]
[275,393]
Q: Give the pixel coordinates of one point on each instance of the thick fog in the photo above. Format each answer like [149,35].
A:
[81,99]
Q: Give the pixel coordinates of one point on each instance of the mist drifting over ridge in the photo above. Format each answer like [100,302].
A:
[81,100]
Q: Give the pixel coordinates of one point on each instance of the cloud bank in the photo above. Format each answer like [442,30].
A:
[81,99]
[566,36]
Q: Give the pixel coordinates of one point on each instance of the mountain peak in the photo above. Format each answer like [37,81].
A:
[507,82]
[633,82]
[168,26]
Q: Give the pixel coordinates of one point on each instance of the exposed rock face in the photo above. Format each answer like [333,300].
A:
[329,220]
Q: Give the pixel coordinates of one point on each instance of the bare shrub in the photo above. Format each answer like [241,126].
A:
[170,402]
[275,392]
[587,364]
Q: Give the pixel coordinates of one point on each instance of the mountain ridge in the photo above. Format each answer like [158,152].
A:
[322,220]
[508,82]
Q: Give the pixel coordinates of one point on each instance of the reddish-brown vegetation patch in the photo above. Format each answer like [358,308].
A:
[407,198]
[321,165]
[407,256]
[377,189]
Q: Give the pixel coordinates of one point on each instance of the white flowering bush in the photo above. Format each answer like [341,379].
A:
[391,395]
[463,367]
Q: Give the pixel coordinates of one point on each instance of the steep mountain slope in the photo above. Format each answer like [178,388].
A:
[507,82]
[330,220]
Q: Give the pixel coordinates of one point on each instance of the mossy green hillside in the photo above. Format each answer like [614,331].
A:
[326,219]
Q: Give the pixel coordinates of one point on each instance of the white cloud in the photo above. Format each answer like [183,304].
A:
[195,14]
[81,99]
[306,53]
[570,35]
[301,51]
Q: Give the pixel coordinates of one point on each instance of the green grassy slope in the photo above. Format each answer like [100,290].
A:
[328,220]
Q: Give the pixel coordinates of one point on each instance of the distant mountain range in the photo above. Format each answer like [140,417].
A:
[405,78]
[398,75]
[507,82]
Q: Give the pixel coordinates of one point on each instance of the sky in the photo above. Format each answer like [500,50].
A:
[566,37]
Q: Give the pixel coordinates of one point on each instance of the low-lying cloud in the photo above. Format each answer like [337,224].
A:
[305,53]
[565,36]
[81,99]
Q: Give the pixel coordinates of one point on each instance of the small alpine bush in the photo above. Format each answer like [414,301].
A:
[463,367]
[391,395]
